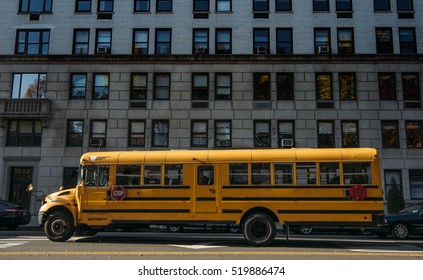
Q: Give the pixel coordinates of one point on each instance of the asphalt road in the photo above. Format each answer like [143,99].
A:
[28,245]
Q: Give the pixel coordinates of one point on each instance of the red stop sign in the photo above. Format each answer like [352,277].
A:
[118,193]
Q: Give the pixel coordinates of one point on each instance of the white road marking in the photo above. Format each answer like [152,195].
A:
[200,246]
[10,244]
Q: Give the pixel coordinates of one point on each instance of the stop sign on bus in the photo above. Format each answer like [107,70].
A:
[118,193]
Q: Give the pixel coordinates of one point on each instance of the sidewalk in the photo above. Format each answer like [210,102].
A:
[33,224]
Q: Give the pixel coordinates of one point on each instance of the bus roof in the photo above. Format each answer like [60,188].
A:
[241,155]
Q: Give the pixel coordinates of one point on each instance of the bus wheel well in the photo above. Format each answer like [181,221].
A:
[57,209]
[263,210]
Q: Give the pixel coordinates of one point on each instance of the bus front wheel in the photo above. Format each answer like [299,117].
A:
[59,227]
[259,229]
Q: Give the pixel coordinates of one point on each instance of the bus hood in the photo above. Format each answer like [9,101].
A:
[67,195]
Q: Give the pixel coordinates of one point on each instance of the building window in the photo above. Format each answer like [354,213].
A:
[136,133]
[32,41]
[83,6]
[223,135]
[164,6]
[387,88]
[200,86]
[285,86]
[347,86]
[261,8]
[411,90]
[261,40]
[163,41]
[286,134]
[326,135]
[70,177]
[223,84]
[29,85]
[350,137]
[284,41]
[81,41]
[321,5]
[262,137]
[405,5]
[322,40]
[344,5]
[390,134]
[141,6]
[384,43]
[223,5]
[407,40]
[201,5]
[103,44]
[98,133]
[223,41]
[414,134]
[283,5]
[140,43]
[78,86]
[101,86]
[75,133]
[382,5]
[199,135]
[35,6]
[324,92]
[393,177]
[200,41]
[139,86]
[346,41]
[261,86]
[105,6]
[416,183]
[24,133]
[160,133]
[161,86]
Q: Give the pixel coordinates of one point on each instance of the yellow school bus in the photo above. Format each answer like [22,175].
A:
[252,188]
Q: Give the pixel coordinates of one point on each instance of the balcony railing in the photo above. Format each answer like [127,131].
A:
[25,109]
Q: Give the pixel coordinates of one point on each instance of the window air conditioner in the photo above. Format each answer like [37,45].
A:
[101,50]
[262,50]
[96,142]
[200,50]
[323,49]
[287,143]
[223,143]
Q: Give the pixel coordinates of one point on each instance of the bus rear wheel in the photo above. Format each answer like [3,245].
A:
[259,229]
[59,226]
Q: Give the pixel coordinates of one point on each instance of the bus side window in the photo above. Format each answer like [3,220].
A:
[283,173]
[205,175]
[306,173]
[329,173]
[152,174]
[238,173]
[357,173]
[260,173]
[128,175]
[173,174]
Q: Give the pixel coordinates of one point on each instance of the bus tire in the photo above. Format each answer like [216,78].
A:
[59,226]
[259,229]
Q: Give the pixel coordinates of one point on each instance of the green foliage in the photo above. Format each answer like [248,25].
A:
[395,197]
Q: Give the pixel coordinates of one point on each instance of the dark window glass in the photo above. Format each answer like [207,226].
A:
[78,86]
[83,6]
[382,5]
[347,86]
[350,136]
[223,41]
[75,133]
[344,5]
[163,41]
[326,135]
[136,133]
[261,86]
[405,5]
[416,183]
[105,6]
[160,133]
[32,42]
[141,5]
[410,86]
[284,41]
[324,92]
[285,86]
[201,5]
[98,133]
[260,5]
[70,177]
[81,39]
[201,41]
[223,84]
[384,43]
[140,44]
[139,86]
[200,86]
[199,134]
[320,5]
[414,134]
[35,6]
[390,134]
[283,5]
[322,40]
[262,137]
[101,86]
[261,41]
[346,41]
[387,89]
[205,175]
[407,38]
[161,86]
[103,41]
[164,6]
[24,133]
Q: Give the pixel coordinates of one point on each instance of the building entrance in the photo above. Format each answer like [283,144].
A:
[20,178]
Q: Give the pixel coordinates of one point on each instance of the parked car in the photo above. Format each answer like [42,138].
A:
[12,215]
[408,221]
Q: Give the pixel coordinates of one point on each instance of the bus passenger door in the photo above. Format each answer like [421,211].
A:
[206,191]
[96,187]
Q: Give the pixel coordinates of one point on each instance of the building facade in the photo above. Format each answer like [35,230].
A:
[81,75]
